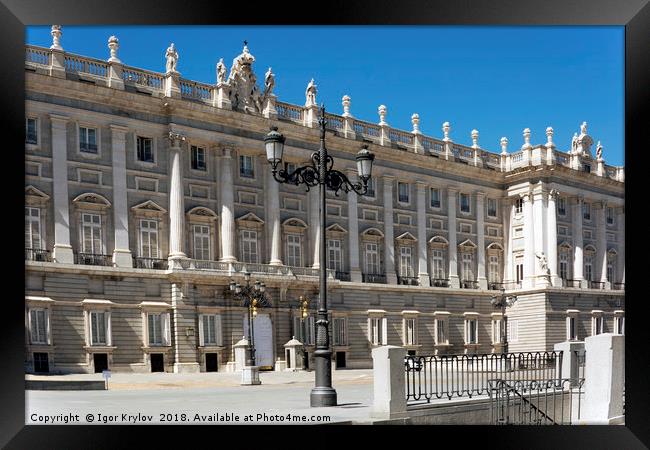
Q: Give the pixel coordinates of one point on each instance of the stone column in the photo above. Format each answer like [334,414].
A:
[62,252]
[578,266]
[529,243]
[389,238]
[423,271]
[480,239]
[551,241]
[507,213]
[454,281]
[314,224]
[601,242]
[353,225]
[541,279]
[620,258]
[122,252]
[273,210]
[176,203]
[227,208]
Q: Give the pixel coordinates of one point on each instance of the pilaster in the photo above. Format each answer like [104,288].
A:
[176,200]
[578,263]
[454,281]
[423,272]
[507,214]
[541,278]
[601,239]
[227,208]
[122,252]
[529,243]
[273,210]
[551,241]
[62,252]
[353,225]
[480,239]
[389,236]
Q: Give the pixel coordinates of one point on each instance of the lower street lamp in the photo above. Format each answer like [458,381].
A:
[320,173]
[502,301]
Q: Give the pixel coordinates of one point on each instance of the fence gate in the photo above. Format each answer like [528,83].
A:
[535,402]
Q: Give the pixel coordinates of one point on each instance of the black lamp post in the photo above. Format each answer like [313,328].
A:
[251,297]
[501,301]
[320,173]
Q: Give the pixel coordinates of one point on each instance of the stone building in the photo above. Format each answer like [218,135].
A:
[147,193]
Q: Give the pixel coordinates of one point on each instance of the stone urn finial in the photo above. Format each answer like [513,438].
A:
[526,138]
[475,138]
[346,105]
[113,45]
[445,129]
[504,145]
[549,137]
[382,114]
[56,37]
[415,120]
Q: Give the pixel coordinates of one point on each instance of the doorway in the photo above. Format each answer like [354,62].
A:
[212,362]
[157,362]
[263,340]
[340,360]
[101,362]
[41,363]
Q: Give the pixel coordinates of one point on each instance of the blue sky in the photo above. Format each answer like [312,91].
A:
[498,80]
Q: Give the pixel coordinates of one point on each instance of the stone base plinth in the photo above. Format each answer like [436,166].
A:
[250,375]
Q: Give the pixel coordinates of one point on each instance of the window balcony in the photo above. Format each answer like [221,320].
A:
[374,278]
[567,282]
[37,254]
[92,259]
[439,282]
[595,284]
[495,286]
[150,263]
[618,286]
[469,284]
[342,276]
[87,147]
[409,281]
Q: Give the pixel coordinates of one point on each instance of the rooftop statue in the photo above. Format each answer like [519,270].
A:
[172,58]
[269,82]
[310,94]
[244,94]
[221,72]
[599,151]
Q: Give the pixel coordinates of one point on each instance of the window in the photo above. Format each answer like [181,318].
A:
[571,330]
[437,264]
[369,214]
[471,331]
[586,211]
[372,258]
[410,331]
[587,168]
[610,216]
[610,271]
[339,327]
[513,330]
[496,330]
[148,238]
[597,325]
[377,330]
[435,224]
[158,328]
[441,332]
[98,327]
[619,324]
[39,326]
[31,133]
[464,203]
[210,331]
[519,268]
[87,140]
[403,219]
[294,250]
[561,206]
[333,210]
[32,228]
[246,166]
[198,158]
[564,265]
[492,207]
[405,262]
[403,191]
[303,329]
[562,231]
[145,149]
[589,263]
[519,205]
[493,269]
[435,197]
[371,188]
[201,242]
[334,259]
[468,267]
[249,246]
[466,228]
[91,227]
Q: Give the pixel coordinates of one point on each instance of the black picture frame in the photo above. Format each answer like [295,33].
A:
[634,15]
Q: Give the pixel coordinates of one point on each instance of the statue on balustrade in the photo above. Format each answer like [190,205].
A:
[269,83]
[310,94]
[245,94]
[599,152]
[172,58]
[221,72]
[574,143]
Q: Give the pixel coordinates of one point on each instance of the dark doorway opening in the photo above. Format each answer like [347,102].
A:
[211,362]
[101,362]
[157,362]
[340,360]
[41,363]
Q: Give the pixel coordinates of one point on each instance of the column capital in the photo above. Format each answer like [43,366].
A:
[118,128]
[57,118]
[578,199]
[226,151]
[525,196]
[388,179]
[420,184]
[452,190]
[176,138]
[480,194]
[553,194]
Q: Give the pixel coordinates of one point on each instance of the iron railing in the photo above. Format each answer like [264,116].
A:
[37,254]
[409,281]
[495,286]
[439,282]
[595,284]
[373,278]
[342,276]
[618,286]
[92,259]
[448,376]
[535,402]
[567,282]
[469,284]
[150,263]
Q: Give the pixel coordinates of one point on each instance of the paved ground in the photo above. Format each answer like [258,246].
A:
[283,397]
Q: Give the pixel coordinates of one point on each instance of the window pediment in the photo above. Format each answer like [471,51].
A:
[467,246]
[91,200]
[202,213]
[372,234]
[294,225]
[34,196]
[406,238]
[438,242]
[565,246]
[590,249]
[148,208]
[494,248]
[250,220]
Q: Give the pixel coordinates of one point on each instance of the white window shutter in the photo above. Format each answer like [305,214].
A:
[201,338]
[217,327]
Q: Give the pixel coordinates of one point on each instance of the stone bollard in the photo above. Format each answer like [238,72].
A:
[604,380]
[568,367]
[389,401]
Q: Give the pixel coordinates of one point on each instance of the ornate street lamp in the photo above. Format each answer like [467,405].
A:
[251,297]
[320,173]
[502,301]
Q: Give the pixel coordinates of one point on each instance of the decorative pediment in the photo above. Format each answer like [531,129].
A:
[590,249]
[408,237]
[294,222]
[438,242]
[92,200]
[34,196]
[494,247]
[565,246]
[467,244]
[250,220]
[202,211]
[612,254]
[148,206]
[372,233]
[335,230]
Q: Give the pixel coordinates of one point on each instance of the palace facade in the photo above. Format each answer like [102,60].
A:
[147,193]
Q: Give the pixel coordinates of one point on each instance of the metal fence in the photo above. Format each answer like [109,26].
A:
[535,402]
[448,376]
